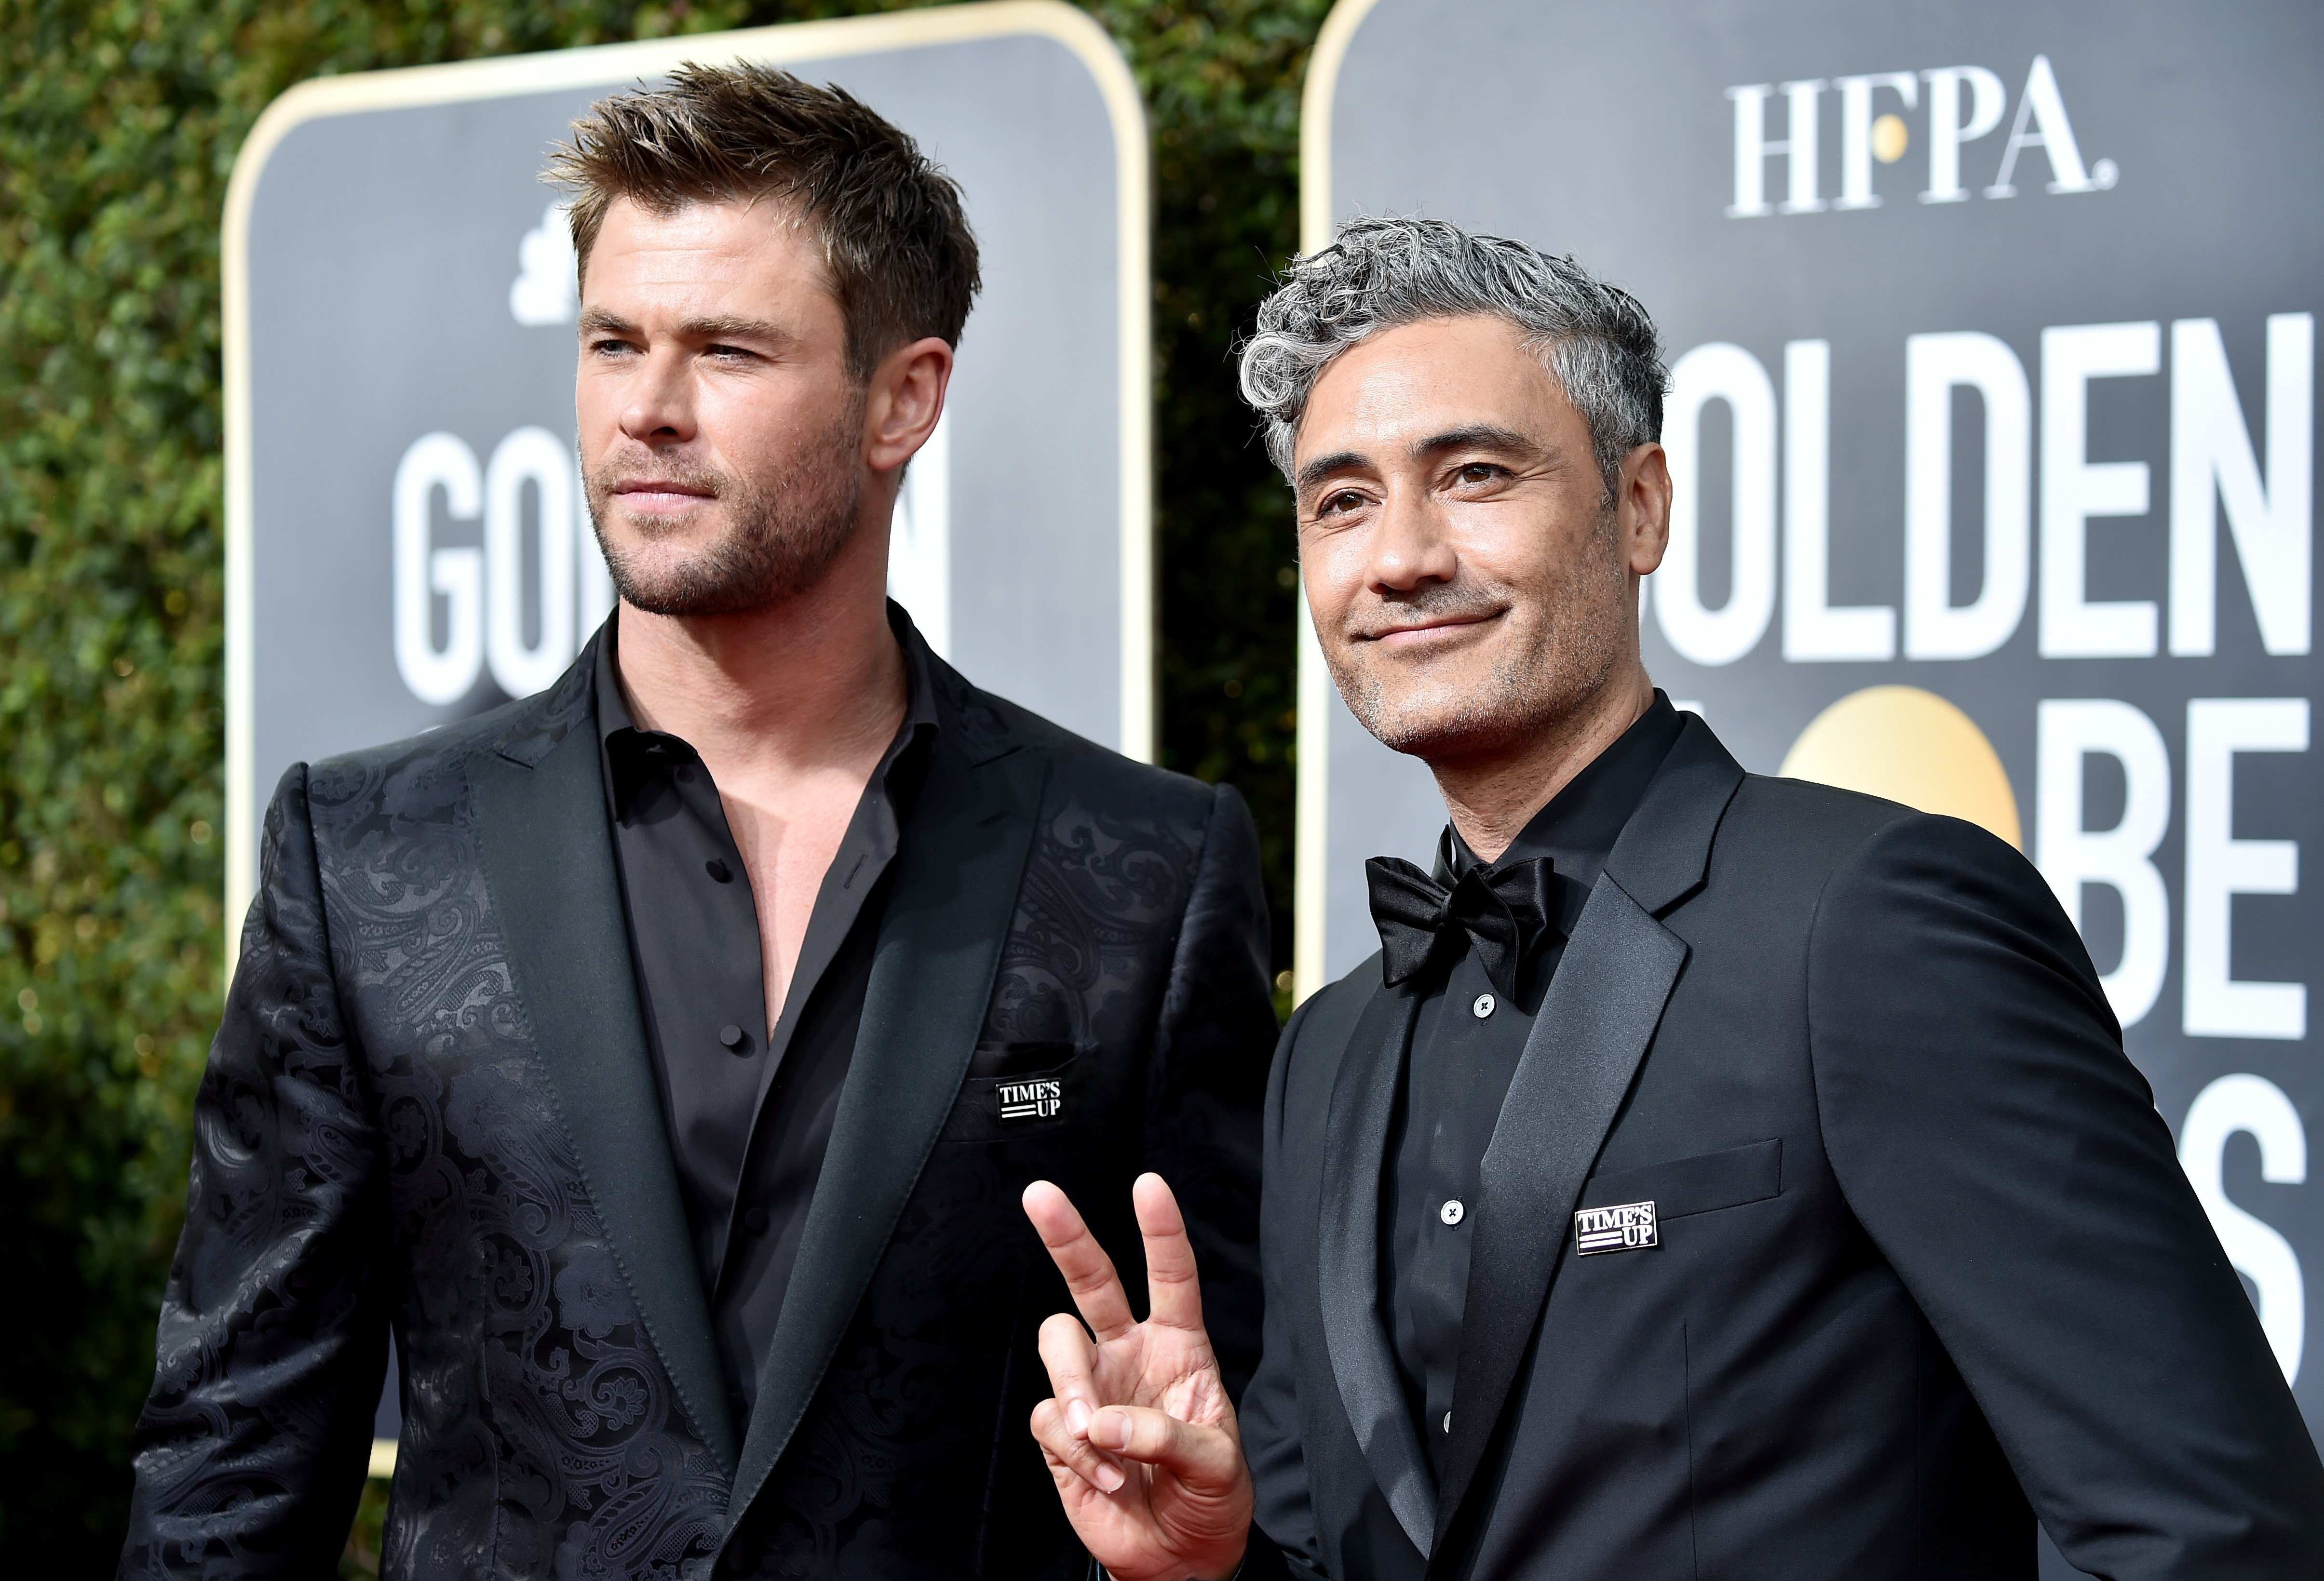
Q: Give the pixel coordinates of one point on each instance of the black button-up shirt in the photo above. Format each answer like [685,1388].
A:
[748,1106]
[1466,1042]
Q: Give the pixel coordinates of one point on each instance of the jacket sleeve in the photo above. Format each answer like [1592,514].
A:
[2005,1154]
[1285,1538]
[250,1453]
[1209,1080]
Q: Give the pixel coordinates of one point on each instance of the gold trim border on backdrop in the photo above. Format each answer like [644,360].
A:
[607,65]
[1312,779]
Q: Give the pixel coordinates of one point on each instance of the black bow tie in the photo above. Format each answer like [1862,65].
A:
[1504,912]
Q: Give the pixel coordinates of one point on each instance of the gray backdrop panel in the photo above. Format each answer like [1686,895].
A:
[383,245]
[1607,132]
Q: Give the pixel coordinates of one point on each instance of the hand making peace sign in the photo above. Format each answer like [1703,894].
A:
[1141,1437]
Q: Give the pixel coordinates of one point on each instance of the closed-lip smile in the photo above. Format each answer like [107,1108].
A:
[1434,627]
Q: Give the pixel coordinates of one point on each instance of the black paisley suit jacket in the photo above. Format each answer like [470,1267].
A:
[430,1109]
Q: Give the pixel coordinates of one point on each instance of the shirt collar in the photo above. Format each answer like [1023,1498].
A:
[1578,828]
[632,754]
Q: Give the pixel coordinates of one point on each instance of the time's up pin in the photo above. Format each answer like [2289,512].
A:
[1627,1227]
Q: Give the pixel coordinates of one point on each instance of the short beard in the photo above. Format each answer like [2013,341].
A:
[781,536]
[1531,690]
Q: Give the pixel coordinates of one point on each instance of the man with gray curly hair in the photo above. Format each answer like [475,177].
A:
[1713,1175]
[1597,349]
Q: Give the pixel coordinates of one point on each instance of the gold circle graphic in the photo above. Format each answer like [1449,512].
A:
[1889,138]
[1909,746]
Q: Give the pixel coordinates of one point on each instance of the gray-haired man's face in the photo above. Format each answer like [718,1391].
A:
[1467,582]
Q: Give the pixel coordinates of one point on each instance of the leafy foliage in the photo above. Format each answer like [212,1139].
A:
[119,120]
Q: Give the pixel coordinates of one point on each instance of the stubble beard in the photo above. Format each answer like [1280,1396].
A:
[783,534]
[1542,675]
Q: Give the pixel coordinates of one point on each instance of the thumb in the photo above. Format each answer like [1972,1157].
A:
[1203,1458]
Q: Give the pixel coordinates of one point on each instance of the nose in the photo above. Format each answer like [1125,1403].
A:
[660,410]
[1409,547]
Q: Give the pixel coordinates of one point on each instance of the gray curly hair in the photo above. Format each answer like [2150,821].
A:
[1382,273]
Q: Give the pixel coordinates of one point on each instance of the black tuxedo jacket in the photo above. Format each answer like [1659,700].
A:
[431,1109]
[1927,1263]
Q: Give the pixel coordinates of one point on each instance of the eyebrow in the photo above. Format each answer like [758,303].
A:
[729,327]
[1476,436]
[1485,436]
[597,321]
[1324,466]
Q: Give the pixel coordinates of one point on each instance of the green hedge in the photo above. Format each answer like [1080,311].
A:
[118,126]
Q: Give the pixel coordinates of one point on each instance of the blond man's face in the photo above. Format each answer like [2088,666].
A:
[720,432]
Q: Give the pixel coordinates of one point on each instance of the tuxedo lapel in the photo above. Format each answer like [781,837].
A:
[1355,1149]
[1595,1023]
[1593,1028]
[547,855]
[954,890]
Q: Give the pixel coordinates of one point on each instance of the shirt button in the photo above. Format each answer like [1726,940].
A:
[1448,1421]
[1484,1005]
[1452,1212]
[718,870]
[755,1220]
[732,1037]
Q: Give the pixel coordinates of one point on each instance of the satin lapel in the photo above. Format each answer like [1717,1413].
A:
[1355,1151]
[1593,1029]
[548,854]
[955,890]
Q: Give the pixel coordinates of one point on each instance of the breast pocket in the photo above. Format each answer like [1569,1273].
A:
[1684,1186]
[1016,1091]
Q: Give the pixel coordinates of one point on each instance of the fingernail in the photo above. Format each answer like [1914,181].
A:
[1110,1477]
[1078,1419]
[1114,1433]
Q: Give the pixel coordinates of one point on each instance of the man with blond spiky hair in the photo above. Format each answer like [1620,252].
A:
[661,1058]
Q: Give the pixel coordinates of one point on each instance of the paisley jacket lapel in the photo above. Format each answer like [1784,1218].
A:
[1355,1149]
[955,885]
[547,856]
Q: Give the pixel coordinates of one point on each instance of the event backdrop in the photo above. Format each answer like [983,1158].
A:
[1992,332]
[406,543]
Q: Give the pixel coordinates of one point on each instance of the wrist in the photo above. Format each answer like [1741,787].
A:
[1233,1573]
